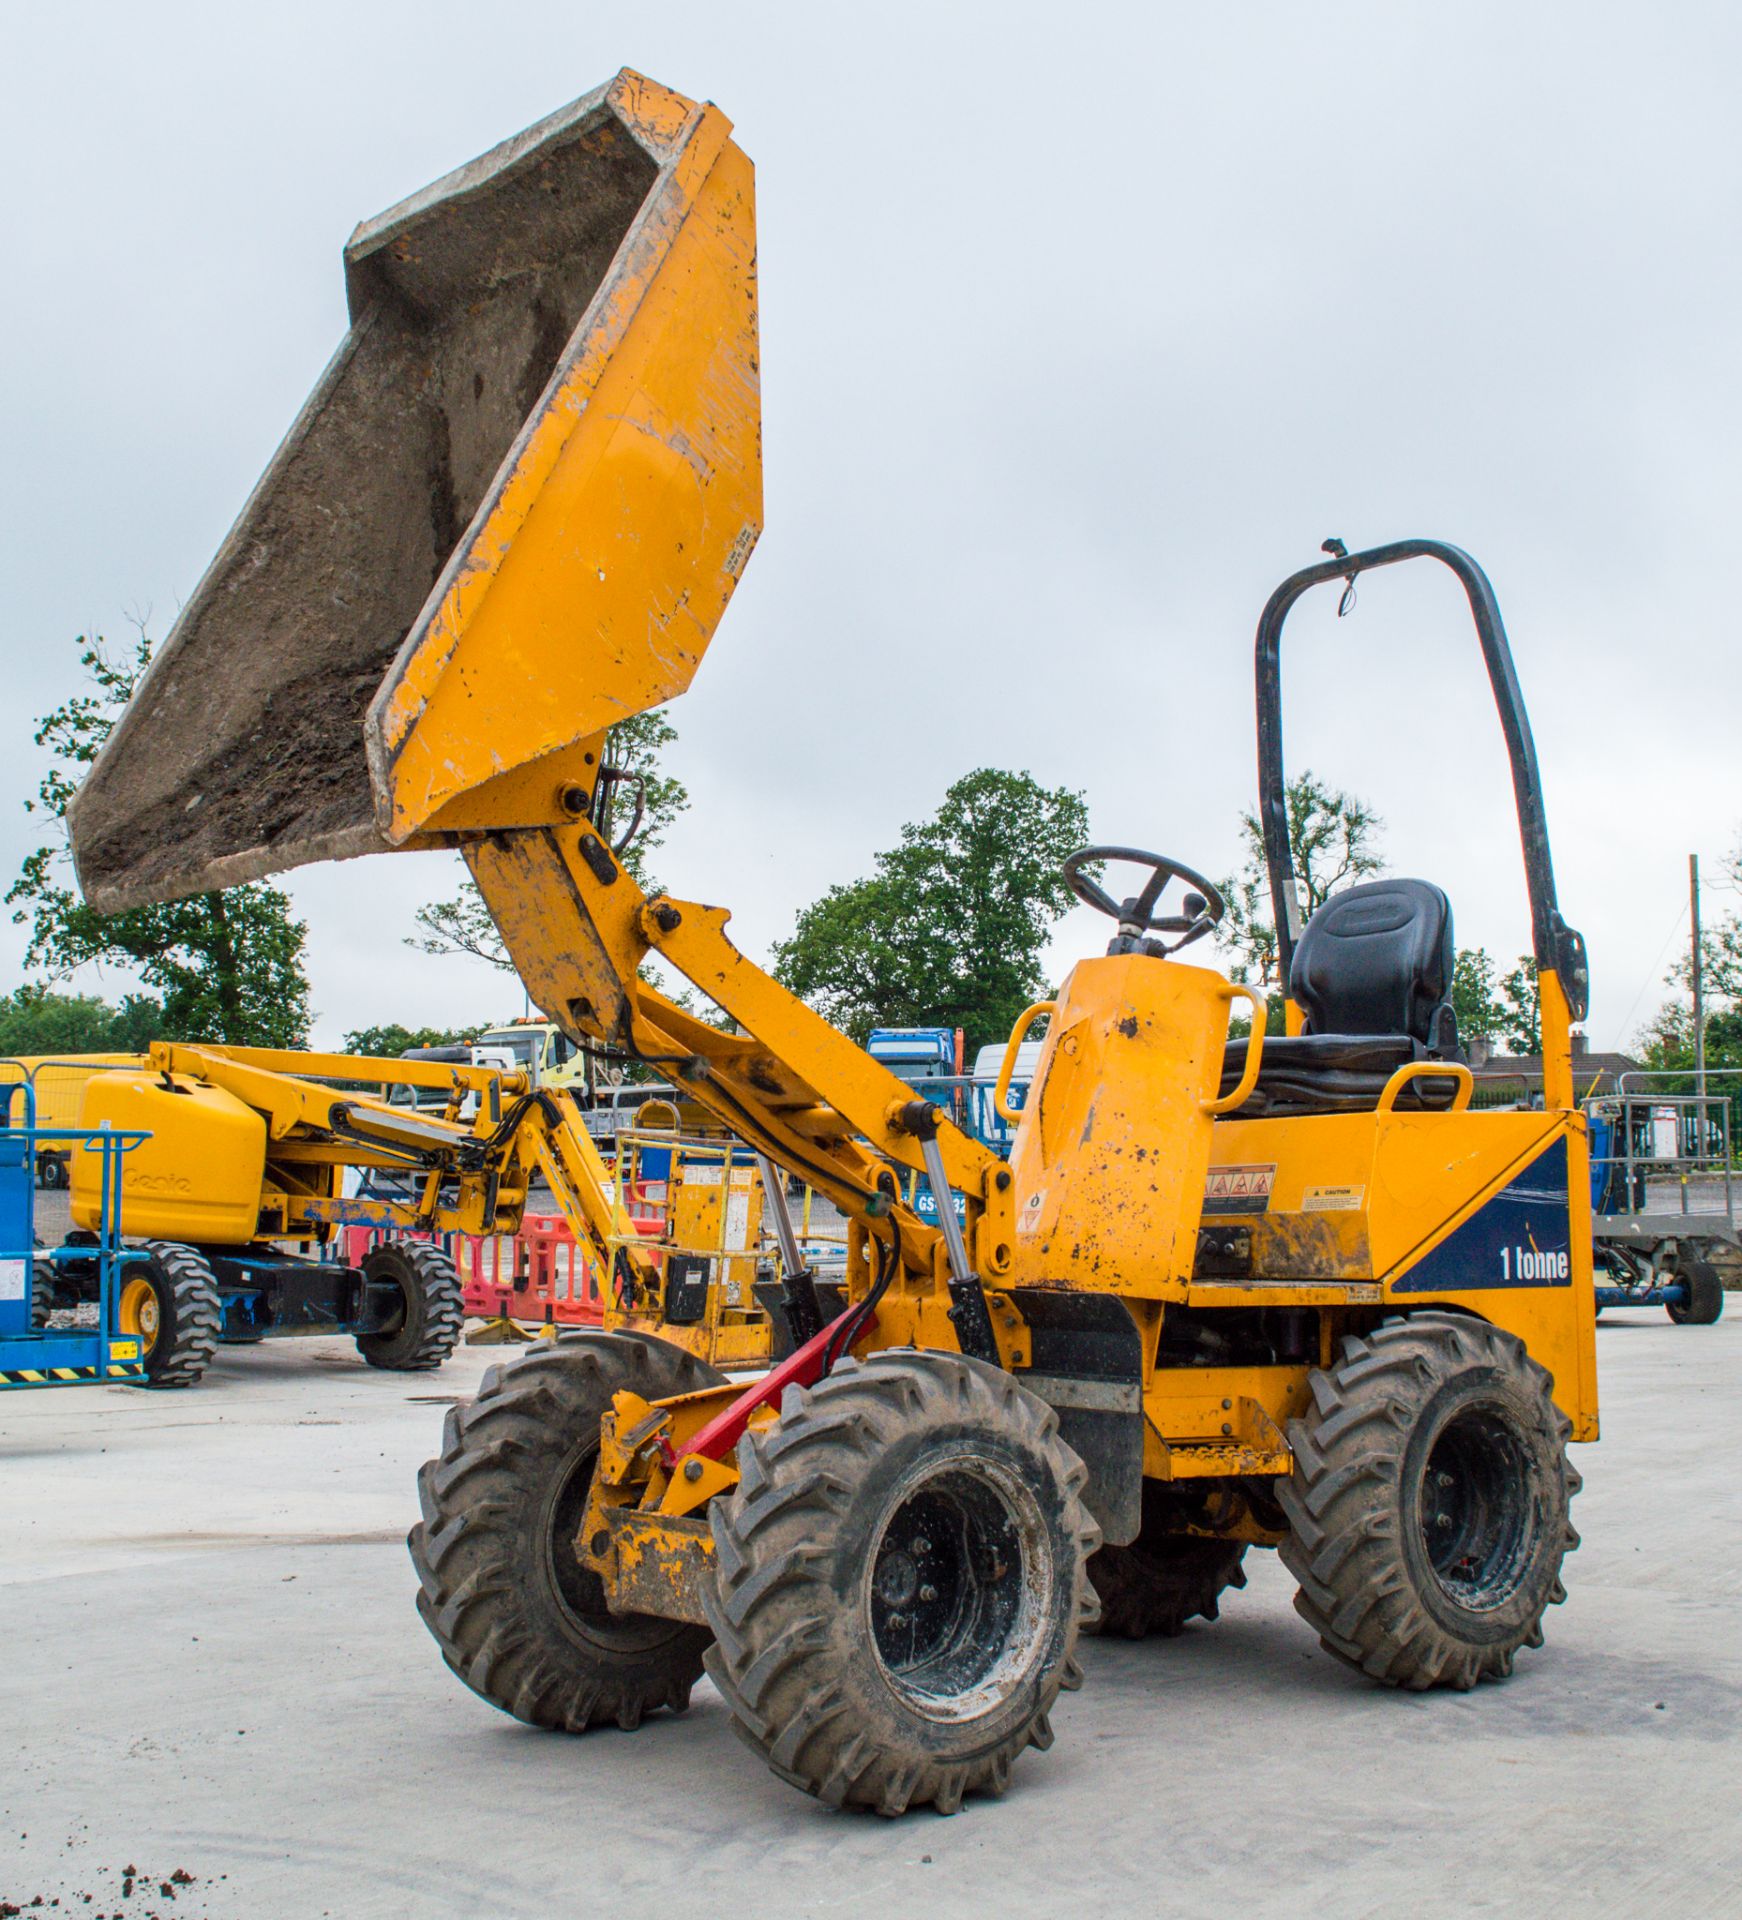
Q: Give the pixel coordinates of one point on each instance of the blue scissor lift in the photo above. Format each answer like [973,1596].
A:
[34,1355]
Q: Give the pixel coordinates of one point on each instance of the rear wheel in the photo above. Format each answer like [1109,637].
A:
[517,1616]
[1162,1579]
[1428,1508]
[169,1304]
[900,1582]
[424,1326]
[1705,1301]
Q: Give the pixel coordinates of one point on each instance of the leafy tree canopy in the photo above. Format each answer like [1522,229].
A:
[1476,995]
[226,966]
[1333,837]
[1521,1008]
[390,1041]
[36,1021]
[949,929]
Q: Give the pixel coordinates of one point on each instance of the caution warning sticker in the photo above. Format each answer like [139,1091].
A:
[1239,1189]
[1333,1200]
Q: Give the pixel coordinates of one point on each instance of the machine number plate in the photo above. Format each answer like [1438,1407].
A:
[12,1279]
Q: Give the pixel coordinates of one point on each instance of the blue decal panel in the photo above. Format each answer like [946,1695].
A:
[1520,1238]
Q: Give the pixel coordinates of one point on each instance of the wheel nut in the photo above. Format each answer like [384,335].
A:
[1445,1479]
[921,1546]
[928,1594]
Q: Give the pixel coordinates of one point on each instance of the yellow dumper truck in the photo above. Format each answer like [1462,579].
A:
[1287,1293]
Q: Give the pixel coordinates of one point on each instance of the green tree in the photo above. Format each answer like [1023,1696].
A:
[1521,1008]
[1720,945]
[1668,1049]
[949,929]
[390,1041]
[1332,836]
[462,924]
[35,1021]
[227,966]
[1476,995]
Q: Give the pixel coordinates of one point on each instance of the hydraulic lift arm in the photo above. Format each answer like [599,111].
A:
[790,1085]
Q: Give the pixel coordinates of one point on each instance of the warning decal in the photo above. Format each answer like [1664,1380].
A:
[1239,1189]
[1333,1200]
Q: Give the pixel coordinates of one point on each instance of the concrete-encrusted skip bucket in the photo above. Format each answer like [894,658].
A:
[511,512]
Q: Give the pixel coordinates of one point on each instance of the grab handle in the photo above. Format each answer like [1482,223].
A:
[1254,1049]
[1420,1070]
[1000,1105]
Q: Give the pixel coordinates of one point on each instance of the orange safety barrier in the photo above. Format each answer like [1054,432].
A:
[540,1274]
[549,1278]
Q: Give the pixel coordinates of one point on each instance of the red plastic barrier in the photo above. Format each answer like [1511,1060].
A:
[546,1277]
[540,1274]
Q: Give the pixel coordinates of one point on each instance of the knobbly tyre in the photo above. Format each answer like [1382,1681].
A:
[1218,1299]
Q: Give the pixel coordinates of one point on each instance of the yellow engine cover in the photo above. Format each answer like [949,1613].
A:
[1114,1141]
[197,1178]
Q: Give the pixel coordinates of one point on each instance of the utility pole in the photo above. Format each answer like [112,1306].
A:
[1699,995]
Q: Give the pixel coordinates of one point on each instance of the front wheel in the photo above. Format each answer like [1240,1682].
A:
[900,1582]
[1428,1508]
[170,1305]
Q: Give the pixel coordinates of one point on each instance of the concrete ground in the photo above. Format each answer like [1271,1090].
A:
[213,1668]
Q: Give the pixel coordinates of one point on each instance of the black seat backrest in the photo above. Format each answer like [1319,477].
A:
[1377,959]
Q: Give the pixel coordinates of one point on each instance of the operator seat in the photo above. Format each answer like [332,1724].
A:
[1372,973]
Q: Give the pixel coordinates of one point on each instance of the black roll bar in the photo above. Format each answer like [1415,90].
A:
[1558,948]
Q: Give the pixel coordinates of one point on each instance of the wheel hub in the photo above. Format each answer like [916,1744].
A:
[140,1313]
[950,1611]
[1477,1528]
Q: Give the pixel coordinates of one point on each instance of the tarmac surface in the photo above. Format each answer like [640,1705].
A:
[214,1670]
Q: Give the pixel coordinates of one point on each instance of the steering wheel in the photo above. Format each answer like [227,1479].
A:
[1204,906]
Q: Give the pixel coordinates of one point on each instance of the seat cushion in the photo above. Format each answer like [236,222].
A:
[1332,1073]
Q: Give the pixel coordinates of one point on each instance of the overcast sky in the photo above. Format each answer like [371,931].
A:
[1081,327]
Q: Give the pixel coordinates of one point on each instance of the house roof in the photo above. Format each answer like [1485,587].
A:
[1592,1072]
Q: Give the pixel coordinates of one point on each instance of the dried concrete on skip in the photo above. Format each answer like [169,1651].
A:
[215,1668]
